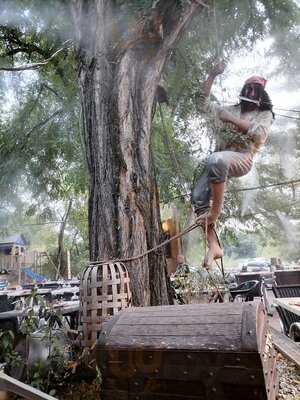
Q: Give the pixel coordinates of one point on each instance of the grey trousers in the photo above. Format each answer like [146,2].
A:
[220,166]
[227,164]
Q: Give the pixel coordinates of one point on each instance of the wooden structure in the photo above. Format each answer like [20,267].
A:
[281,291]
[287,277]
[9,320]
[15,259]
[104,291]
[12,257]
[286,346]
[174,248]
[198,351]
[9,384]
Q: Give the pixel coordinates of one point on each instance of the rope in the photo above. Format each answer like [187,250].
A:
[142,255]
[180,234]
[222,264]
[212,281]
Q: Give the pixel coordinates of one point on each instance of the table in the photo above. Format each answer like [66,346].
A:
[67,309]
[23,292]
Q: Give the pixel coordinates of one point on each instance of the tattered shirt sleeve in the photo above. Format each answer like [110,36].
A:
[260,128]
[207,107]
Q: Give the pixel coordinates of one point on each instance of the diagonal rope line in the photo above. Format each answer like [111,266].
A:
[142,255]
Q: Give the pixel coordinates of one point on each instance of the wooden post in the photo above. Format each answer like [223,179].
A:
[69,275]
[171,227]
[19,264]
[34,262]
[12,257]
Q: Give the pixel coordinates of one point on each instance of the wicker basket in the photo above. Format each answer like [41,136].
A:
[104,291]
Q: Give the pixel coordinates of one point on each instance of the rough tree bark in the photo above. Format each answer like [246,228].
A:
[118,72]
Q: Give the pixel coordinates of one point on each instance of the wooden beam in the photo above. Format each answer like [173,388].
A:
[9,384]
[286,346]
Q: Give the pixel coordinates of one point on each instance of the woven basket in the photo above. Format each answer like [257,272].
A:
[104,291]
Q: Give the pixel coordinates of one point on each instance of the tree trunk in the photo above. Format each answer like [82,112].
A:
[117,83]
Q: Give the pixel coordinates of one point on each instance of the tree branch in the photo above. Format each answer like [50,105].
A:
[52,90]
[180,23]
[26,135]
[35,65]
[42,123]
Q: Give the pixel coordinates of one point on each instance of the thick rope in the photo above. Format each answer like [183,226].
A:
[142,255]
[180,234]
[212,281]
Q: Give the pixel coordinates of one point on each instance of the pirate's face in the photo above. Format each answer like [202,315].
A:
[251,91]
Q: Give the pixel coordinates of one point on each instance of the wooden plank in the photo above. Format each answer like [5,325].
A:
[198,343]
[266,300]
[11,314]
[64,309]
[248,331]
[227,330]
[9,384]
[286,346]
[182,320]
[123,364]
[291,277]
[210,309]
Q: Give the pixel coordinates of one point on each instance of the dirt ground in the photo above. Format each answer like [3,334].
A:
[289,380]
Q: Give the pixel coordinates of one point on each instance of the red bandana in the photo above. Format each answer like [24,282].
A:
[257,79]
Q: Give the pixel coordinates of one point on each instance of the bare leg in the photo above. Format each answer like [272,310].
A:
[214,250]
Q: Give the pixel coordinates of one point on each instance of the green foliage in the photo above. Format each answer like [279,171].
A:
[41,146]
[8,355]
[172,158]
[246,247]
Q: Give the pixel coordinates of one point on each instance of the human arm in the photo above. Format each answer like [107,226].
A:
[203,99]
[242,125]
[217,70]
[258,129]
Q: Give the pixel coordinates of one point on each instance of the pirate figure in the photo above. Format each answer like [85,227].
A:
[240,131]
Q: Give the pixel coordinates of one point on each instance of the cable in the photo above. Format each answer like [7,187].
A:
[284,109]
[287,116]
[285,183]
[266,186]
[274,108]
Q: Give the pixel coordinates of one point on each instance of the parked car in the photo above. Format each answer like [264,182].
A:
[257,265]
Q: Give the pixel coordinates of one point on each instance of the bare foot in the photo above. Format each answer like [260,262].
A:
[212,254]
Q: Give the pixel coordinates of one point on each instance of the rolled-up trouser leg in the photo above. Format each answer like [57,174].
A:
[220,166]
[226,164]
[201,194]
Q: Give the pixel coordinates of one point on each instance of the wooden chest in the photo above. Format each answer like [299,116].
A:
[211,351]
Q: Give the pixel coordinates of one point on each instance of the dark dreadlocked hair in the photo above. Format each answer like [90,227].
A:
[259,94]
